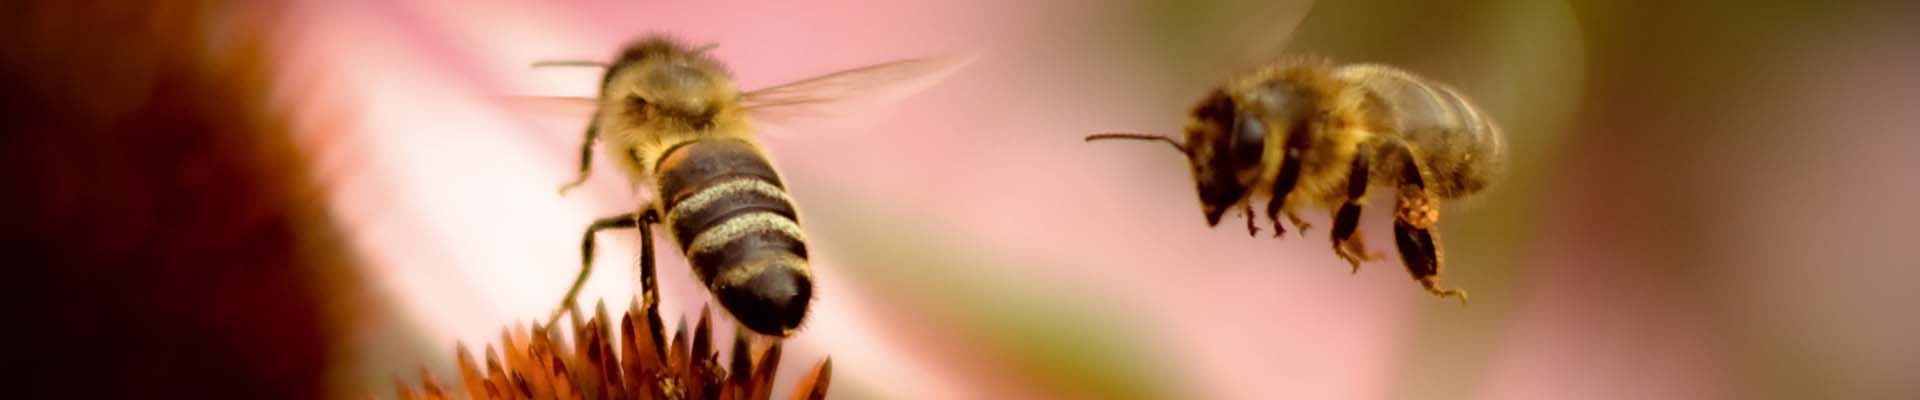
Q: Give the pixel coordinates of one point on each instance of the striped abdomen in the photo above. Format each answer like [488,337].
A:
[733,219]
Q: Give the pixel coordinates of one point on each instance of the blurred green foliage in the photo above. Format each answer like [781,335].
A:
[1037,334]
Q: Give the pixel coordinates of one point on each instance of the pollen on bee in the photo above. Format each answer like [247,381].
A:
[1417,209]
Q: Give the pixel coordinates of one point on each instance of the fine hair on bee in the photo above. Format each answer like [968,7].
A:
[1305,133]
[670,116]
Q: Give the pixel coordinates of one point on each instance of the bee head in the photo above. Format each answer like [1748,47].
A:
[1223,147]
[659,79]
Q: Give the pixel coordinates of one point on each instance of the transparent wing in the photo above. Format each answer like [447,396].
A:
[553,106]
[838,101]
[556,106]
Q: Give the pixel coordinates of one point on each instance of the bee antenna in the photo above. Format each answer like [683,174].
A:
[1138,136]
[568,63]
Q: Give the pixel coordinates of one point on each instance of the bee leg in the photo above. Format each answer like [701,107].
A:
[1297,222]
[1345,222]
[644,221]
[1275,207]
[1253,230]
[1284,182]
[648,288]
[586,157]
[1346,244]
[649,291]
[1414,218]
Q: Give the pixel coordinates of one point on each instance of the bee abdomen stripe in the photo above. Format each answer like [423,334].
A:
[729,198]
[744,238]
[742,226]
[751,268]
[692,167]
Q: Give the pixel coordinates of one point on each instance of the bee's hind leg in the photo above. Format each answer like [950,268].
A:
[1415,214]
[644,221]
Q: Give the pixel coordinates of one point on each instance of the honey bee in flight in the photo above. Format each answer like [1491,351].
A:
[1306,133]
[672,118]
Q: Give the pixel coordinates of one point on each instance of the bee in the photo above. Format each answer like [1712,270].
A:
[671,117]
[1306,133]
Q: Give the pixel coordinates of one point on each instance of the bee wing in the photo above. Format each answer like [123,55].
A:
[556,106]
[837,97]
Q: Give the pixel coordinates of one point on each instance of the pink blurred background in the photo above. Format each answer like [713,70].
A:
[1704,200]
[1695,211]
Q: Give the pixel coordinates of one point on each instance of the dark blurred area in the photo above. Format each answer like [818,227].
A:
[164,236]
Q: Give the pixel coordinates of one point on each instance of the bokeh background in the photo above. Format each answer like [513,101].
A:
[303,199]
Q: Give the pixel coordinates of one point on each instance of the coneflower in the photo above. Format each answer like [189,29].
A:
[539,364]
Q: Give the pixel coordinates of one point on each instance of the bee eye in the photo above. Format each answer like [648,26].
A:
[1248,141]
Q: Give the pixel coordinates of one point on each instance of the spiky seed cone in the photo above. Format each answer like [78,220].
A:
[535,362]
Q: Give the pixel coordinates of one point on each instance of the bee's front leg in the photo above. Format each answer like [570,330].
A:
[586,157]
